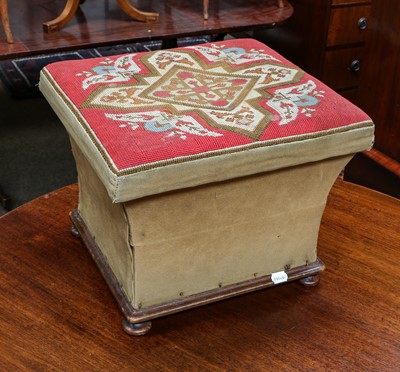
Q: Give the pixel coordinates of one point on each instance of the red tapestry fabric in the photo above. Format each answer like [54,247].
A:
[145,108]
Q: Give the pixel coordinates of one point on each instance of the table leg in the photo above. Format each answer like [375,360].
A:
[5,21]
[65,16]
[205,9]
[136,13]
[72,6]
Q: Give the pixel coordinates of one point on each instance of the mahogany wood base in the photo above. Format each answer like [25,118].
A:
[136,329]
[137,321]
[310,281]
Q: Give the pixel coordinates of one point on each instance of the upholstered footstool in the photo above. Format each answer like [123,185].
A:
[203,170]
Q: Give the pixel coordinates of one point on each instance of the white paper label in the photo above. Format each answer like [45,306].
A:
[279,277]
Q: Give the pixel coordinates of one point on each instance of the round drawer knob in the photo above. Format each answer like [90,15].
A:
[355,66]
[362,23]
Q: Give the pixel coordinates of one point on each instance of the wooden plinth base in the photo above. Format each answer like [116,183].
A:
[137,321]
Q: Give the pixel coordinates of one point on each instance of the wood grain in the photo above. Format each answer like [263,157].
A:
[379,91]
[326,48]
[303,43]
[57,313]
[103,22]
[5,21]
[343,25]
[379,95]
[375,170]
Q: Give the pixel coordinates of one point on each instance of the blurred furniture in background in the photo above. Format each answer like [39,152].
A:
[4,203]
[332,46]
[72,6]
[4,200]
[379,95]
[206,6]
[354,47]
[103,23]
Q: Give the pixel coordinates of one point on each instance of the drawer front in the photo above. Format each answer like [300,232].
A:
[347,25]
[350,94]
[342,67]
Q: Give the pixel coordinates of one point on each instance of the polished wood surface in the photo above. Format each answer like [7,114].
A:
[102,22]
[379,96]
[56,312]
[344,28]
[379,93]
[327,46]
[66,15]
[376,171]
[5,21]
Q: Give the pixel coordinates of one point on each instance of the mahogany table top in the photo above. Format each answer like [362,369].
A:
[57,313]
[102,22]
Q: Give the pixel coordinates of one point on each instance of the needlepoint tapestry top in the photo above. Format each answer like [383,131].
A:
[143,108]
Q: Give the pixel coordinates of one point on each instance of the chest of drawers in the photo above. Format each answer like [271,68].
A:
[354,47]
[327,39]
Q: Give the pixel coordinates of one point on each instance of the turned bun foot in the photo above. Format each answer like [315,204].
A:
[310,281]
[74,231]
[136,329]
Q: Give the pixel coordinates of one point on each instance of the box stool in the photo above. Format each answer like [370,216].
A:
[203,170]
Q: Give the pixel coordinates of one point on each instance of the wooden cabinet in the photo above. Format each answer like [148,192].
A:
[347,25]
[354,47]
[327,39]
[379,93]
[379,96]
